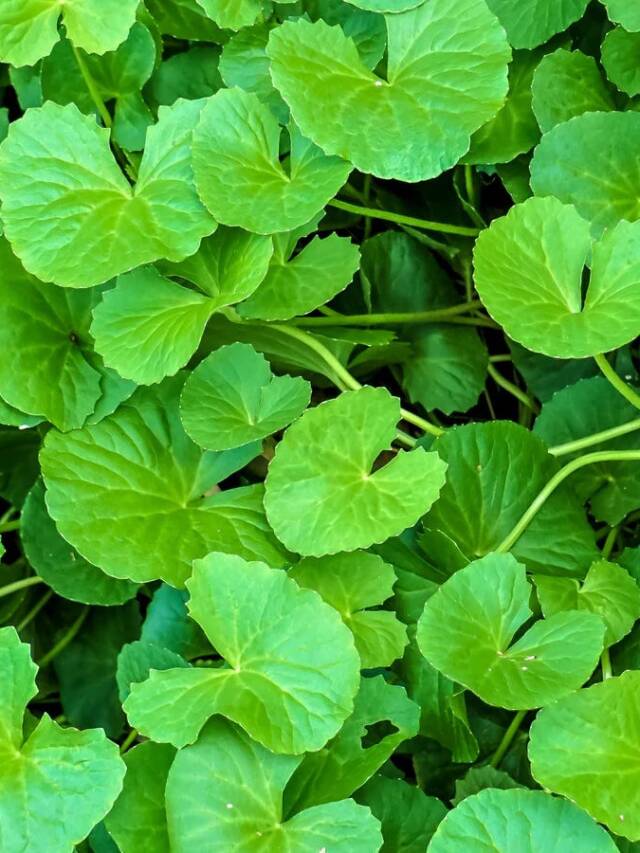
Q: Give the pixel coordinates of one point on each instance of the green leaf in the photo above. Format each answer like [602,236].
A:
[167,624]
[394,6]
[137,659]
[586,747]
[292,668]
[447,369]
[69,212]
[192,74]
[577,411]
[18,463]
[428,114]
[184,19]
[352,583]
[321,495]
[546,376]
[232,398]
[236,160]
[138,821]
[567,84]
[408,817]
[478,779]
[526,821]
[468,626]
[220,764]
[529,269]
[624,13]
[495,470]
[383,717]
[233,14]
[367,29]
[294,286]
[57,784]
[228,266]
[148,520]
[619,52]
[608,591]
[532,22]
[29,28]
[148,327]
[573,157]
[58,563]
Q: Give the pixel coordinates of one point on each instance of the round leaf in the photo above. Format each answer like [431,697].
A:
[446,77]
[70,214]
[532,22]
[321,494]
[467,631]
[527,821]
[587,747]
[233,14]
[292,669]
[239,175]
[208,806]
[130,494]
[528,272]
[619,57]
[590,162]
[625,13]
[232,398]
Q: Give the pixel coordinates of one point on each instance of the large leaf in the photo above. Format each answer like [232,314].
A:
[58,783]
[292,668]
[529,269]
[495,471]
[532,22]
[58,563]
[232,398]
[587,747]
[208,806]
[527,821]
[148,327]
[29,28]
[446,77]
[138,822]
[589,162]
[70,214]
[238,172]
[352,583]
[321,493]
[130,494]
[467,631]
[357,752]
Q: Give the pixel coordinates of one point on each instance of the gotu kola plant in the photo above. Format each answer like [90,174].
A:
[319,428]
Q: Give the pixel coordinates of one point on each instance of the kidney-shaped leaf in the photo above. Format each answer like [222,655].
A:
[528,271]
[587,747]
[239,175]
[70,214]
[130,494]
[57,784]
[292,668]
[29,28]
[446,77]
[496,821]
[208,806]
[532,22]
[321,494]
[232,398]
[468,626]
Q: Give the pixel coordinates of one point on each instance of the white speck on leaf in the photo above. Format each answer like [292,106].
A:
[378,83]
[229,805]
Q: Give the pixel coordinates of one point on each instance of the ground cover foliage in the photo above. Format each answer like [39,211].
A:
[320,442]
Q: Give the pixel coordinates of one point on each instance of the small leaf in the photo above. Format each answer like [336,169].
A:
[624,13]
[351,583]
[526,821]
[478,779]
[528,270]
[221,763]
[467,631]
[586,747]
[137,659]
[432,49]
[321,494]
[292,668]
[233,14]
[619,57]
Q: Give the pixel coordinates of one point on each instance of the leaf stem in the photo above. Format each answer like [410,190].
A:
[7,526]
[37,607]
[605,663]
[512,389]
[507,737]
[16,586]
[128,741]
[402,219]
[612,377]
[437,315]
[93,90]
[595,438]
[610,541]
[64,641]
[558,478]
